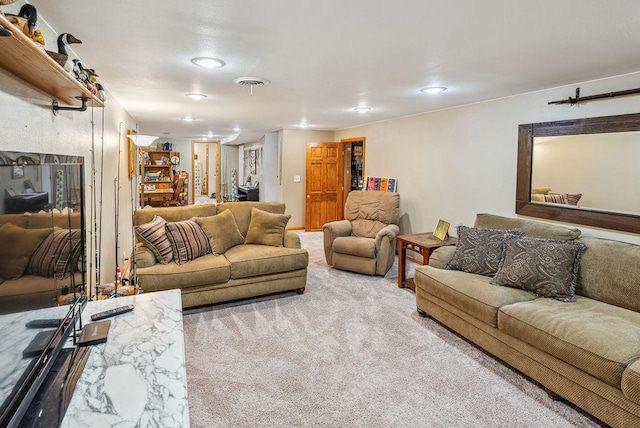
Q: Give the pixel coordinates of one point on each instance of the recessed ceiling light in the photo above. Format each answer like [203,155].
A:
[208,62]
[303,125]
[210,135]
[188,119]
[362,109]
[236,129]
[197,97]
[433,89]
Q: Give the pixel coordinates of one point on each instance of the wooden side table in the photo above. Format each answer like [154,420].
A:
[422,244]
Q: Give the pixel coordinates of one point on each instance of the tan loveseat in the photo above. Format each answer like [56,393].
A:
[22,235]
[587,351]
[243,271]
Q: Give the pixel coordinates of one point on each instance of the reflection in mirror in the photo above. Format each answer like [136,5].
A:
[571,171]
[41,266]
[594,171]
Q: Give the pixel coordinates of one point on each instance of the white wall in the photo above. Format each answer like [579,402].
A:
[294,152]
[270,184]
[454,163]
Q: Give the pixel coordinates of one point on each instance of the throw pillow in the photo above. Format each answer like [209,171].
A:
[266,228]
[479,250]
[572,198]
[57,253]
[222,231]
[154,237]
[188,240]
[18,247]
[556,198]
[548,267]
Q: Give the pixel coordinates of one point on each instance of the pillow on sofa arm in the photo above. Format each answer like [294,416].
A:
[547,267]
[222,231]
[56,254]
[479,250]
[154,236]
[266,228]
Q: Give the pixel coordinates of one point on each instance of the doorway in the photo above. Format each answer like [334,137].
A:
[205,167]
[354,161]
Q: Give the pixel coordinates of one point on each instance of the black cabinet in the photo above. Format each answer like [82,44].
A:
[246,193]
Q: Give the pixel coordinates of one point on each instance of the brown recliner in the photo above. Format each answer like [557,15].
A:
[365,242]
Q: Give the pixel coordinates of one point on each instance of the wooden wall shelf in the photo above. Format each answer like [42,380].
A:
[26,60]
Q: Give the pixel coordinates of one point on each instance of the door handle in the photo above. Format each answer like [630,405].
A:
[308,197]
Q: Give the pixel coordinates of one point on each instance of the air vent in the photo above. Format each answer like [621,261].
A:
[251,82]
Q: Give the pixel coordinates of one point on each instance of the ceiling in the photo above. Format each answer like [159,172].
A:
[325,58]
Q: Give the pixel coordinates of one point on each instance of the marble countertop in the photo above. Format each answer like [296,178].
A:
[138,377]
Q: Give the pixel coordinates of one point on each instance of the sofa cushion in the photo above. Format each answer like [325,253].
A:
[479,250]
[154,236]
[222,231]
[548,267]
[631,382]
[249,260]
[242,211]
[533,229]
[57,254]
[360,247]
[596,337]
[469,292]
[188,241]
[18,245]
[610,272]
[205,270]
[266,228]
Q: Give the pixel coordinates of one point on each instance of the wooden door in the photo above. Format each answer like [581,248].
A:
[323,185]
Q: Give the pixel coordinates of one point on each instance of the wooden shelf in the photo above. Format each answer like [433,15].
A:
[28,61]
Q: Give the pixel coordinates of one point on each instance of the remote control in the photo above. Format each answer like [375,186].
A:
[44,323]
[111,312]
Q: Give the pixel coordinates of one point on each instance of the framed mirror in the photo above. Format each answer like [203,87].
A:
[582,171]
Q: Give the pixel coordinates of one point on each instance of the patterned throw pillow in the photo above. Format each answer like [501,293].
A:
[188,240]
[154,236]
[556,198]
[479,250]
[547,267]
[57,253]
[266,228]
[572,198]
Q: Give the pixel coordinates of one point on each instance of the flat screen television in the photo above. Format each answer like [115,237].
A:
[42,274]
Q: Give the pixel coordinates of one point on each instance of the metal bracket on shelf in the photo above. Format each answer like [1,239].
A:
[55,107]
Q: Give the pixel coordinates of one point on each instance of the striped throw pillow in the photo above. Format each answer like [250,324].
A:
[154,237]
[556,198]
[188,240]
[57,254]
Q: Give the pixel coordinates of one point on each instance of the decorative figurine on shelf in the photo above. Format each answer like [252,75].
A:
[62,57]
[27,21]
[102,95]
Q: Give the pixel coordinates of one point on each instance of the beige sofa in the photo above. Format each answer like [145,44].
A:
[29,291]
[243,271]
[587,351]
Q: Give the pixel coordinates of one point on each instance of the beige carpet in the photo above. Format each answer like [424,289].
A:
[350,352]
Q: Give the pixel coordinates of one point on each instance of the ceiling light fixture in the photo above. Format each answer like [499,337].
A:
[304,125]
[236,129]
[197,97]
[208,62]
[433,90]
[362,109]
[251,82]
[188,119]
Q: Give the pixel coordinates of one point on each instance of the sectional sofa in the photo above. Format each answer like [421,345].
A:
[586,351]
[251,254]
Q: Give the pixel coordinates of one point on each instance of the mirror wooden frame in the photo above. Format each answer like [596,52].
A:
[570,214]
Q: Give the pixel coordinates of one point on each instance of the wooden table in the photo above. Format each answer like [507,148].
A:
[421,244]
